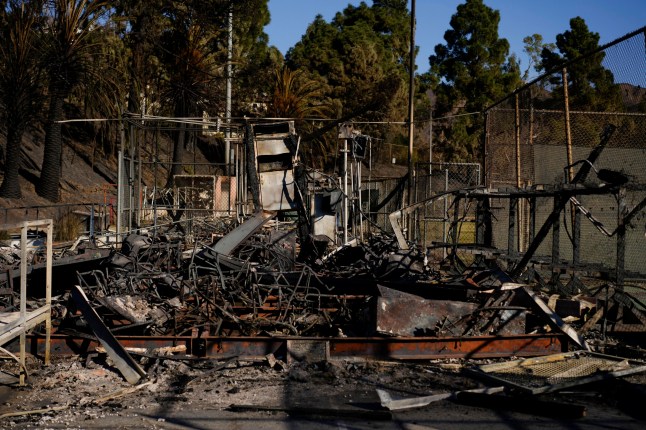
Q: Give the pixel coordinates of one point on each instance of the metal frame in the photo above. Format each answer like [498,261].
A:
[18,323]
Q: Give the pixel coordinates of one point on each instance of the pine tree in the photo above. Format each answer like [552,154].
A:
[471,71]
[591,85]
[360,59]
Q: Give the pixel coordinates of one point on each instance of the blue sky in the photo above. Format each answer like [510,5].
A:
[518,18]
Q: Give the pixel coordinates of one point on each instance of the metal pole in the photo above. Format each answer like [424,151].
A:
[622,211]
[485,151]
[92,223]
[237,172]
[411,110]
[517,133]
[513,207]
[353,199]
[430,151]
[431,96]
[568,134]
[227,133]
[568,141]
[360,202]
[23,298]
[242,190]
[48,289]
[131,183]
[518,209]
[119,194]
[370,181]
[137,189]
[446,210]
[120,175]
[345,191]
[556,242]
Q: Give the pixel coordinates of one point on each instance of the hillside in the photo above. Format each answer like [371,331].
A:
[87,177]
[80,183]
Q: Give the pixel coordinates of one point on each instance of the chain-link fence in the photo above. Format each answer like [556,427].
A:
[429,221]
[155,190]
[540,137]
[71,220]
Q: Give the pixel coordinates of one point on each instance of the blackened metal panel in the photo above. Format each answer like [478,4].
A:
[413,316]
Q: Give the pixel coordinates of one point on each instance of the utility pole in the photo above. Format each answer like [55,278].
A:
[411,123]
[431,97]
[227,132]
[411,100]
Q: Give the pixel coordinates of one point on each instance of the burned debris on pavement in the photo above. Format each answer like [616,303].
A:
[315,267]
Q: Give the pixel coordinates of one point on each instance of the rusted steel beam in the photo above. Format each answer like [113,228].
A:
[248,347]
[400,348]
[447,347]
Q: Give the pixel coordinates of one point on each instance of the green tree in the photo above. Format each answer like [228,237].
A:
[104,96]
[142,27]
[472,70]
[360,59]
[534,46]
[20,83]
[67,47]
[254,61]
[295,96]
[591,85]
[185,50]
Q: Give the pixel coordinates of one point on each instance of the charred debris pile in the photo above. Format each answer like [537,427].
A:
[321,286]
[262,275]
[248,281]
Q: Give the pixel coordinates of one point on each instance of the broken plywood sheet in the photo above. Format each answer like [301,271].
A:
[558,371]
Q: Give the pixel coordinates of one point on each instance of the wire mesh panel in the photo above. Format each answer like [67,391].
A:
[381,197]
[432,221]
[555,372]
[541,136]
[432,186]
[165,180]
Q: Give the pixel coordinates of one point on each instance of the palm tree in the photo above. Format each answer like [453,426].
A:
[191,70]
[295,96]
[104,96]
[20,88]
[68,48]
[299,97]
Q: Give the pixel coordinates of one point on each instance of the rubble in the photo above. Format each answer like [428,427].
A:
[129,368]
[176,309]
